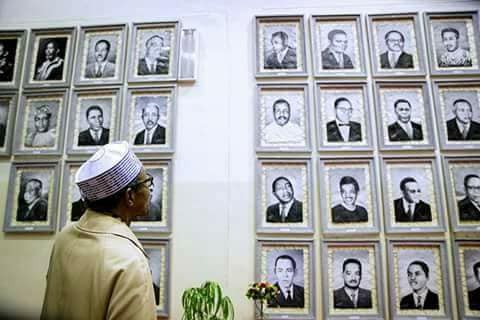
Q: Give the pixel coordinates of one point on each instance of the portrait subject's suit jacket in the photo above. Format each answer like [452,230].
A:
[334,135]
[85,139]
[295,214]
[430,303]
[298,300]
[342,300]
[455,134]
[330,62]
[288,62]
[158,136]
[397,133]
[474,299]
[404,61]
[342,214]
[3,132]
[161,68]
[467,210]
[108,70]
[422,212]
[37,213]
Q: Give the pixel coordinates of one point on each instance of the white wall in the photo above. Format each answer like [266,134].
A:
[213,201]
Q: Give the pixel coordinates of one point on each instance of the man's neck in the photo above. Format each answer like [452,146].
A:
[350,207]
[421,291]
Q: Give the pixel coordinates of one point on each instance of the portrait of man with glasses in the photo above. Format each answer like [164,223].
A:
[410,207]
[395,57]
[343,129]
[469,206]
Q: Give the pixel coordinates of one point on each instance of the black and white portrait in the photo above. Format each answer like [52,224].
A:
[101,52]
[149,119]
[42,121]
[4,115]
[50,54]
[159,263]
[8,55]
[155,262]
[153,51]
[465,178]
[33,196]
[156,186]
[470,258]
[94,119]
[76,203]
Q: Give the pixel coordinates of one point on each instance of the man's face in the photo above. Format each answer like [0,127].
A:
[284,272]
[473,189]
[349,194]
[31,192]
[343,111]
[463,112]
[50,51]
[95,119]
[412,192]
[281,113]
[277,44]
[339,43]
[403,112]
[450,41]
[155,48]
[395,42]
[416,277]
[352,275]
[150,116]
[42,122]
[283,191]
[101,52]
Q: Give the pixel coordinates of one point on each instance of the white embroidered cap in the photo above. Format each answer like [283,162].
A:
[108,171]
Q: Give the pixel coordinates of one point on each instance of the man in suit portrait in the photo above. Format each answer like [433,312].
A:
[342,129]
[410,207]
[334,57]
[421,297]
[288,209]
[52,66]
[289,294]
[153,133]
[469,207]
[42,135]
[404,129]
[348,210]
[351,296]
[454,55]
[33,207]
[96,134]
[6,63]
[156,59]
[101,67]
[282,55]
[395,57]
[282,130]
[474,295]
[462,127]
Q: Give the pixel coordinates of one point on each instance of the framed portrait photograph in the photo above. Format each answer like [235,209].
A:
[467,278]
[41,124]
[158,252]
[93,119]
[153,52]
[72,204]
[288,265]
[8,106]
[347,196]
[463,192]
[396,47]
[352,281]
[280,46]
[32,197]
[284,199]
[418,280]
[12,49]
[404,118]
[458,114]
[343,116]
[149,119]
[101,55]
[337,45]
[282,117]
[49,59]
[453,42]
[411,195]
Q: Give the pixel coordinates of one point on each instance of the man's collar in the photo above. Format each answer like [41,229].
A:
[349,291]
[461,125]
[407,204]
[153,129]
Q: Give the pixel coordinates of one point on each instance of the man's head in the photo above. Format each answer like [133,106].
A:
[281,112]
[349,190]
[417,273]
[463,111]
[282,189]
[154,46]
[33,190]
[450,39]
[95,117]
[410,190]
[394,40]
[472,187]
[51,50]
[338,40]
[285,269]
[150,115]
[42,118]
[343,110]
[476,271]
[352,273]
[102,48]
[279,41]
[403,110]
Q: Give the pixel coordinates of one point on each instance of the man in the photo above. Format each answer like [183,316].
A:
[462,127]
[96,134]
[282,130]
[98,268]
[52,67]
[469,207]
[404,129]
[35,208]
[101,68]
[410,208]
[348,210]
[334,57]
[474,295]
[454,56]
[6,63]
[342,129]
[42,135]
[395,57]
[288,209]
[282,55]
[153,133]
[155,61]
[351,295]
[289,294]
[421,297]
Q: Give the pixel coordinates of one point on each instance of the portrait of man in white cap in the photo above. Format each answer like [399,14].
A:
[43,132]
[98,268]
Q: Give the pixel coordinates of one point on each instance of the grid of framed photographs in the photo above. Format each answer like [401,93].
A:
[391,191]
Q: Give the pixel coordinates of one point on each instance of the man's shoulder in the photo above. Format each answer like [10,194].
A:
[298,288]
[416,125]
[451,122]
[362,291]
[331,124]
[355,125]
[84,133]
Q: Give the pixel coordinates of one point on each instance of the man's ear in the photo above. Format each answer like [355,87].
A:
[129,197]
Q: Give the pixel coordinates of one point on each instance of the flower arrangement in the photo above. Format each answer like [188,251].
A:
[260,293]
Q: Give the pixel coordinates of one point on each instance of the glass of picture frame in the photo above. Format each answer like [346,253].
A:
[188,61]
[8,106]
[12,50]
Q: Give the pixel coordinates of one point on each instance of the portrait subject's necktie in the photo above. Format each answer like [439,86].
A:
[410,211]
[148,138]
[99,72]
[354,300]
[289,295]
[419,302]
[97,137]
[392,60]
[340,60]
[283,214]
[464,132]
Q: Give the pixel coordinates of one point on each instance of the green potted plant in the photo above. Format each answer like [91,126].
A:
[207,303]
